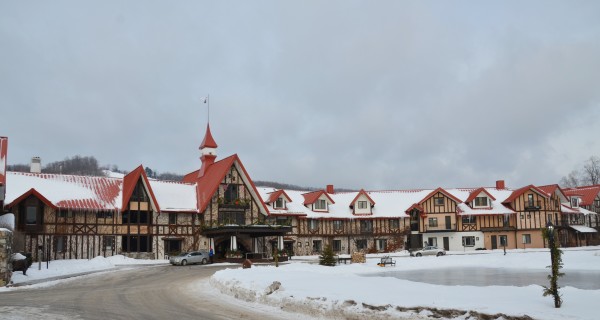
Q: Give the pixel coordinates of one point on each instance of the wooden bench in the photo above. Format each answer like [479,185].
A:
[387,260]
[343,259]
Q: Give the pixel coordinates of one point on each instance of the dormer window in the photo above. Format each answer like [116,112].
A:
[279,203]
[438,201]
[481,202]
[362,205]
[574,202]
[321,204]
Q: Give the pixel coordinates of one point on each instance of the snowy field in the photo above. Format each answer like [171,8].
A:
[355,290]
[359,291]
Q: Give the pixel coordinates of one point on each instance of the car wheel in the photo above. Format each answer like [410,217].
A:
[183,262]
[204,261]
[439,254]
[418,254]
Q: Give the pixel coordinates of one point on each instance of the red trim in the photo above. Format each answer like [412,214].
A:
[35,193]
[209,141]
[441,190]
[415,206]
[362,191]
[276,194]
[129,182]
[517,193]
[311,197]
[476,192]
[588,194]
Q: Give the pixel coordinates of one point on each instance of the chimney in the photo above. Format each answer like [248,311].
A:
[207,161]
[36,165]
[330,189]
[500,184]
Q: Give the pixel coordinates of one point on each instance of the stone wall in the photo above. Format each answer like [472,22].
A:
[5,254]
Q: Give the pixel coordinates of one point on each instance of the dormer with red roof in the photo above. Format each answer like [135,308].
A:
[362,204]
[318,201]
[208,151]
[279,199]
[138,197]
[528,198]
[480,199]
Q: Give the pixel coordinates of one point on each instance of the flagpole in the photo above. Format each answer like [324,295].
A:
[208,102]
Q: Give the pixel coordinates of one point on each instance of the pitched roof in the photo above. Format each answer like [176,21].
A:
[477,192]
[517,193]
[441,190]
[588,194]
[35,193]
[209,141]
[273,196]
[130,181]
[311,197]
[362,192]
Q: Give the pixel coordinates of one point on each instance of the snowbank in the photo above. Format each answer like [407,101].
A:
[7,220]
[343,291]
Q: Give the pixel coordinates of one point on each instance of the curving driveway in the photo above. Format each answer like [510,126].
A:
[139,293]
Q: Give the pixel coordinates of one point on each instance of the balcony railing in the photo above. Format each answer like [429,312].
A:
[440,228]
[533,205]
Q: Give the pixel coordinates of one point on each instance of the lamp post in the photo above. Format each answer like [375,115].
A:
[553,290]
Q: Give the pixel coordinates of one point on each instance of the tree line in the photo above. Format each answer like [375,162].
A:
[588,174]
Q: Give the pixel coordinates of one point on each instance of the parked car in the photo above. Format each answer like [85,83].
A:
[186,258]
[428,251]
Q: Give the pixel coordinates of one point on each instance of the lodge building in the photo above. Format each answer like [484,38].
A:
[218,206]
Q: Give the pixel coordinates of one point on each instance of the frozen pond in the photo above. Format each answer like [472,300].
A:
[483,277]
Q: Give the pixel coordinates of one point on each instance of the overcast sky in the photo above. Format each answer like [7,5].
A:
[359,94]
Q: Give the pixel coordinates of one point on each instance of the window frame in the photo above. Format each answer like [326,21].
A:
[338,225]
[478,202]
[434,220]
[467,239]
[471,219]
[172,218]
[320,204]
[361,205]
[438,201]
[366,226]
[336,245]
[394,224]
[31,211]
[279,203]
[362,244]
[313,224]
[526,238]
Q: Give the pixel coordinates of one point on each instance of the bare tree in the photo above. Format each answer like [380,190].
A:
[591,171]
[572,180]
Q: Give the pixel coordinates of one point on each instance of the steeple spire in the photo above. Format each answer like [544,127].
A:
[208,152]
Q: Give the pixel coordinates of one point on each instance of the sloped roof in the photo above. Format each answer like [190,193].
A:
[273,196]
[66,191]
[477,192]
[440,190]
[588,194]
[362,192]
[311,197]
[209,141]
[552,189]
[517,193]
[175,196]
[130,181]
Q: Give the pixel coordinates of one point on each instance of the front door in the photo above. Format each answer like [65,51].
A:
[446,243]
[448,223]
[494,243]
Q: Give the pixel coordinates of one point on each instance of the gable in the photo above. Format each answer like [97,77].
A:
[137,178]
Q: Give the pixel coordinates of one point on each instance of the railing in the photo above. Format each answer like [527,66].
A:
[440,227]
[531,205]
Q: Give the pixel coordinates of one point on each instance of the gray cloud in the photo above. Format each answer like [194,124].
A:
[362,95]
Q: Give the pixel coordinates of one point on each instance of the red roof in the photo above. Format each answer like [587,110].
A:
[191,177]
[476,192]
[517,193]
[209,141]
[414,206]
[552,188]
[129,183]
[446,193]
[362,191]
[588,194]
[311,197]
[276,194]
[210,181]
[35,193]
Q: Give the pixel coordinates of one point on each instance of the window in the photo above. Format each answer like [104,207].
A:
[522,216]
[136,244]
[283,221]
[361,244]
[438,201]
[313,225]
[232,217]
[231,193]
[321,204]
[362,204]
[432,242]
[172,218]
[381,244]
[394,224]
[337,245]
[481,202]
[469,219]
[279,203]
[108,242]
[433,222]
[317,246]
[366,226]
[60,243]
[526,238]
[530,200]
[597,203]
[139,193]
[131,216]
[574,202]
[503,241]
[468,241]
[31,215]
[338,225]
[549,218]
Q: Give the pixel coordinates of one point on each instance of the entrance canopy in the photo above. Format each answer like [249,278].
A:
[583,229]
[251,230]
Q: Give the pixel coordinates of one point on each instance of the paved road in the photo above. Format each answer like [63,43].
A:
[140,293]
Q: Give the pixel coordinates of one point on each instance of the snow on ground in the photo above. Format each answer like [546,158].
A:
[62,268]
[341,291]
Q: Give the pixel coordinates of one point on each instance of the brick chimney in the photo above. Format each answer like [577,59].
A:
[330,189]
[500,184]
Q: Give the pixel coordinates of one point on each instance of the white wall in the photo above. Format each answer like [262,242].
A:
[456,239]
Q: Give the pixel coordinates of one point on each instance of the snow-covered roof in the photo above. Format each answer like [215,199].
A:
[175,196]
[389,204]
[583,229]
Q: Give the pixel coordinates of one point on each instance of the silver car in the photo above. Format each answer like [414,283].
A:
[429,251]
[189,258]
